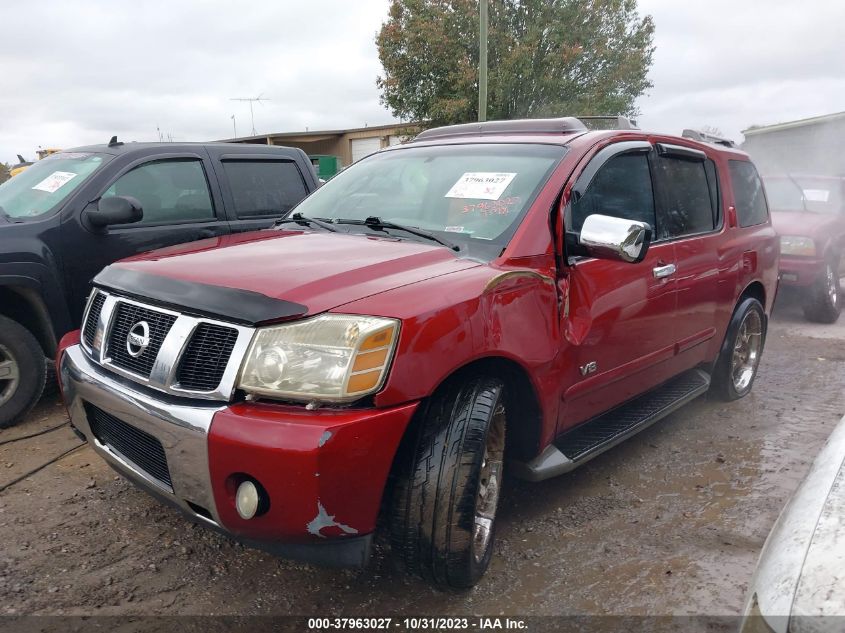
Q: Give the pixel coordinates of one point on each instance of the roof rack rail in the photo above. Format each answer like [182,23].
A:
[608,122]
[563,125]
[706,137]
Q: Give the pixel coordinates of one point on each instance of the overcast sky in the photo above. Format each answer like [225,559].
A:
[75,72]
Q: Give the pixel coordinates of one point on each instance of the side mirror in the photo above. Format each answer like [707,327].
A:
[606,237]
[115,210]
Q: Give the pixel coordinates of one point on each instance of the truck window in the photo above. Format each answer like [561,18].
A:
[170,191]
[750,201]
[687,201]
[264,188]
[621,188]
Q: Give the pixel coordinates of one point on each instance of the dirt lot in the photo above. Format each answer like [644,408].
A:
[670,522]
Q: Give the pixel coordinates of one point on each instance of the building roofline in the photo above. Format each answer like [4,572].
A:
[341,132]
[816,120]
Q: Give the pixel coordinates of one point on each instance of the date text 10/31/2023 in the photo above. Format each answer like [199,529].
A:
[418,624]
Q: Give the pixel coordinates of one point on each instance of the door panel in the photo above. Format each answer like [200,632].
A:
[703,282]
[689,213]
[621,319]
[619,322]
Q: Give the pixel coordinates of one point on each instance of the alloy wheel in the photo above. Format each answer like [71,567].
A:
[490,484]
[832,286]
[9,375]
[746,354]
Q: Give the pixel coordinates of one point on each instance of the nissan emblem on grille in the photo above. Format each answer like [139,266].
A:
[138,339]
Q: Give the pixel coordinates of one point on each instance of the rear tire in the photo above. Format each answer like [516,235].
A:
[736,368]
[442,520]
[23,371]
[824,299]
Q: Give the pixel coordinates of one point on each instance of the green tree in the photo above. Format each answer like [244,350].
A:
[545,58]
[4,172]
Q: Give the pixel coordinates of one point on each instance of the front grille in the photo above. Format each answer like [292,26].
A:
[90,329]
[125,317]
[206,357]
[139,447]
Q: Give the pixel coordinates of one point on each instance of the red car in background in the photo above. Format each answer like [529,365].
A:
[808,212]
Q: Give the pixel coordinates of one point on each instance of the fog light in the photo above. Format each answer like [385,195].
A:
[247,499]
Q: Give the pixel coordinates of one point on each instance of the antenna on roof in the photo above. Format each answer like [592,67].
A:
[114,142]
[21,160]
[252,100]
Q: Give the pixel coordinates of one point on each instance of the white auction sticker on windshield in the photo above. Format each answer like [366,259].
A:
[481,185]
[816,195]
[53,182]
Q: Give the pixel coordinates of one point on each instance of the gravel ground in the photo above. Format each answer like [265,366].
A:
[670,522]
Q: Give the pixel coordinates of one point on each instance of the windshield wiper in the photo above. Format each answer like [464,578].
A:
[8,217]
[378,224]
[298,218]
[800,190]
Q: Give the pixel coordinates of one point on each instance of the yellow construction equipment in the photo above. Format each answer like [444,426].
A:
[23,164]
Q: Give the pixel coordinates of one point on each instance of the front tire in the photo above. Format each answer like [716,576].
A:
[23,371]
[736,368]
[443,514]
[824,300]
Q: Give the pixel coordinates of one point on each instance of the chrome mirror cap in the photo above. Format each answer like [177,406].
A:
[606,237]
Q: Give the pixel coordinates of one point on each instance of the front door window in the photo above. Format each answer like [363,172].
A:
[170,191]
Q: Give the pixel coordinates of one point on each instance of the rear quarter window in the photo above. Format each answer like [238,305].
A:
[750,201]
[263,189]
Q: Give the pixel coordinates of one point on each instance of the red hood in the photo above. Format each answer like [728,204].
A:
[318,270]
[804,223]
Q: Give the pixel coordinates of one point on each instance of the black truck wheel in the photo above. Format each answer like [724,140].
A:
[22,372]
[824,299]
[735,369]
[442,519]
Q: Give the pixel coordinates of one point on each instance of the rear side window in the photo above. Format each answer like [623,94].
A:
[263,189]
[688,204]
[621,188]
[751,205]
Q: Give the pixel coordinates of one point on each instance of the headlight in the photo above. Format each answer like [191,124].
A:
[794,245]
[333,358]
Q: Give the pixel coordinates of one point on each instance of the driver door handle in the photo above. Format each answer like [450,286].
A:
[664,271]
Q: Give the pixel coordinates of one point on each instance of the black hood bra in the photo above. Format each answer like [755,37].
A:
[230,304]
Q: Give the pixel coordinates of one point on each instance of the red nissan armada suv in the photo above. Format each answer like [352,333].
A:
[510,295]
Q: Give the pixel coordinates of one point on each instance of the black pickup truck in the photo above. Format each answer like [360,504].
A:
[72,213]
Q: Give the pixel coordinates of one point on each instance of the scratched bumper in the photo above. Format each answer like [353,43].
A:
[324,471]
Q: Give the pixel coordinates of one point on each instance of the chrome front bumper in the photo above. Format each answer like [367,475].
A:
[182,431]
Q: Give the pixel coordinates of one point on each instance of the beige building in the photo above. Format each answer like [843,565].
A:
[349,145]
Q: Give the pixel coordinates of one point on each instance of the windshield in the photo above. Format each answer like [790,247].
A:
[40,188]
[471,195]
[816,195]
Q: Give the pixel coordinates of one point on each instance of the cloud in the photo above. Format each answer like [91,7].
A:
[732,64]
[76,72]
